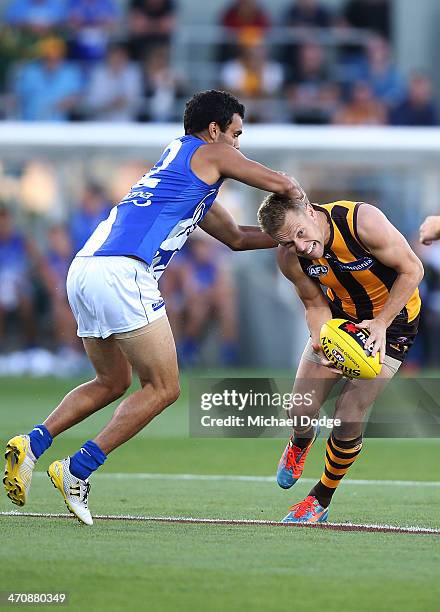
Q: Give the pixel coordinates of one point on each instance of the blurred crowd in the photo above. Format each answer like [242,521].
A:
[37,328]
[116,60]
[112,60]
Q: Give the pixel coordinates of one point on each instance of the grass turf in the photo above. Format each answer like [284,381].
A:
[115,565]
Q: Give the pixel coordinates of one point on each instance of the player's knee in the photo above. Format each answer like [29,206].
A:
[167,395]
[304,408]
[116,387]
[347,430]
[343,408]
[122,386]
[348,410]
[171,393]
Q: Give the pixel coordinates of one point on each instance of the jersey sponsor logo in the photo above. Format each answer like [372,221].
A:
[317,270]
[143,200]
[177,237]
[364,263]
[184,228]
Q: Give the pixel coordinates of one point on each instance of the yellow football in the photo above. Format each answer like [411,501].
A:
[343,344]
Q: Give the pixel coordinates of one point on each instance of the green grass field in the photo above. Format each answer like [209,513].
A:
[155,566]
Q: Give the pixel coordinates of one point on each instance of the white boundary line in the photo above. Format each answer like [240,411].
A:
[243,478]
[224,521]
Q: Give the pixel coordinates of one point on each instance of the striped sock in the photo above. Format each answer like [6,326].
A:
[339,456]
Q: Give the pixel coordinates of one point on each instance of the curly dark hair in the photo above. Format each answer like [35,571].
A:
[207,106]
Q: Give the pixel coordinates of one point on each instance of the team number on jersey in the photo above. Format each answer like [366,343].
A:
[137,195]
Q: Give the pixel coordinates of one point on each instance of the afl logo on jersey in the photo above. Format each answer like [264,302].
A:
[317,270]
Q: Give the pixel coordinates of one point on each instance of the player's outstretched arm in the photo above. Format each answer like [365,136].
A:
[220,224]
[317,310]
[430,230]
[389,247]
[221,160]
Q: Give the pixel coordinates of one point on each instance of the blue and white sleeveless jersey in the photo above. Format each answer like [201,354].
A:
[156,217]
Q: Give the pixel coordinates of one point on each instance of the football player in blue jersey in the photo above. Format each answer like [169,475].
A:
[113,291]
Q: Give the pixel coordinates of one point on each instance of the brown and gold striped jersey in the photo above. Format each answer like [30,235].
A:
[357,283]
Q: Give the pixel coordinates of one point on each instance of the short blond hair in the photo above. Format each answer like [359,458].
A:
[273,209]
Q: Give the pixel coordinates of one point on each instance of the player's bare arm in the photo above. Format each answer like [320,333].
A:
[317,310]
[389,247]
[220,224]
[221,160]
[430,230]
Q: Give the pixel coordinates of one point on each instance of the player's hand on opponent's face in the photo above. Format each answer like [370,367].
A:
[430,230]
[317,348]
[377,338]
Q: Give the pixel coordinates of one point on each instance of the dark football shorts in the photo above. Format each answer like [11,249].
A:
[400,334]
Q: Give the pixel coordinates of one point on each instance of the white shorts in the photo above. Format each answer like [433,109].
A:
[111,295]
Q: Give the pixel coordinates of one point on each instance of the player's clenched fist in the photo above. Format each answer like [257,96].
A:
[430,230]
